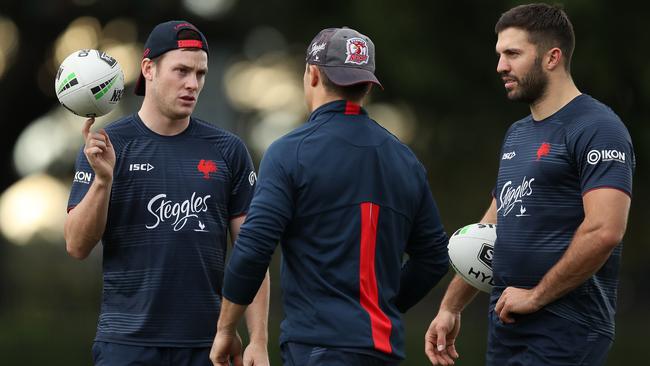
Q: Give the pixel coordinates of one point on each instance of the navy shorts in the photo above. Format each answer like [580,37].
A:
[297,354]
[543,338]
[114,354]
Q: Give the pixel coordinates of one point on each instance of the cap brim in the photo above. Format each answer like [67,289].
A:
[346,76]
[140,86]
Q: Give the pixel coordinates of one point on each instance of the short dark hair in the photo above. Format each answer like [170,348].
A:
[548,26]
[353,93]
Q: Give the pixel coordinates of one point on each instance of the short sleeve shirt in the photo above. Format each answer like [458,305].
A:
[164,245]
[546,168]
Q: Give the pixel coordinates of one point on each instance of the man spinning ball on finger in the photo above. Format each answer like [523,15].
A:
[165,189]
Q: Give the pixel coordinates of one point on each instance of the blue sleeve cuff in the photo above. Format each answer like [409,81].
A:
[239,289]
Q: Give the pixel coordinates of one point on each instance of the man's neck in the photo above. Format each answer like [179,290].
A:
[558,94]
[321,100]
[159,123]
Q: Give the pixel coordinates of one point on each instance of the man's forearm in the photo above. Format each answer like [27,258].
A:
[85,224]
[257,314]
[229,316]
[458,295]
[585,256]
[602,229]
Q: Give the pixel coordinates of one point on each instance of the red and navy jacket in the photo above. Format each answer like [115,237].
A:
[346,199]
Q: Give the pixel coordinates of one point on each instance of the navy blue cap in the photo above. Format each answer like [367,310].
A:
[346,56]
[164,38]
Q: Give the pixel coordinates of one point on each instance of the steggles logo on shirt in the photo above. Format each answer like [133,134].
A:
[177,212]
[510,196]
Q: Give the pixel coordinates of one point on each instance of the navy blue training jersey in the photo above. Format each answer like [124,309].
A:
[346,199]
[165,239]
[546,168]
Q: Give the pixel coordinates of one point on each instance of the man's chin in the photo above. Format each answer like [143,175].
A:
[183,112]
[512,95]
[517,97]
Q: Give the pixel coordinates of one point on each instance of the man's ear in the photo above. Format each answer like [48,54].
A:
[147,67]
[314,75]
[553,58]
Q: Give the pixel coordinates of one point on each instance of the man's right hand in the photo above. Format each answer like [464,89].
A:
[226,349]
[440,339]
[99,152]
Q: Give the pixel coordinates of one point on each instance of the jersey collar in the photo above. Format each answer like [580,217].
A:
[338,106]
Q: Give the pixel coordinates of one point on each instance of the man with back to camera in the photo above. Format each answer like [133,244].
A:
[561,204]
[347,199]
[166,189]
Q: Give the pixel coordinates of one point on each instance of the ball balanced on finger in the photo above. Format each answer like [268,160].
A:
[89,83]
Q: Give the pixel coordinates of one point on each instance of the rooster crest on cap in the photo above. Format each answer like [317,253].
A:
[357,51]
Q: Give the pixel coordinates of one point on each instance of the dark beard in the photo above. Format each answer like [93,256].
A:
[532,86]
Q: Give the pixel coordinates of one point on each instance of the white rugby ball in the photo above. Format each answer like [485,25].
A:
[89,83]
[470,251]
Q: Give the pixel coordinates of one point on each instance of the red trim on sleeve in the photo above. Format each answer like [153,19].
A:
[368,292]
[70,208]
[352,108]
[190,43]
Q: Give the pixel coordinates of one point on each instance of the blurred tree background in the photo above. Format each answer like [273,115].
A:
[442,96]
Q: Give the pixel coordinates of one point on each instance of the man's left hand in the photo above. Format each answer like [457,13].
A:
[515,300]
[256,354]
